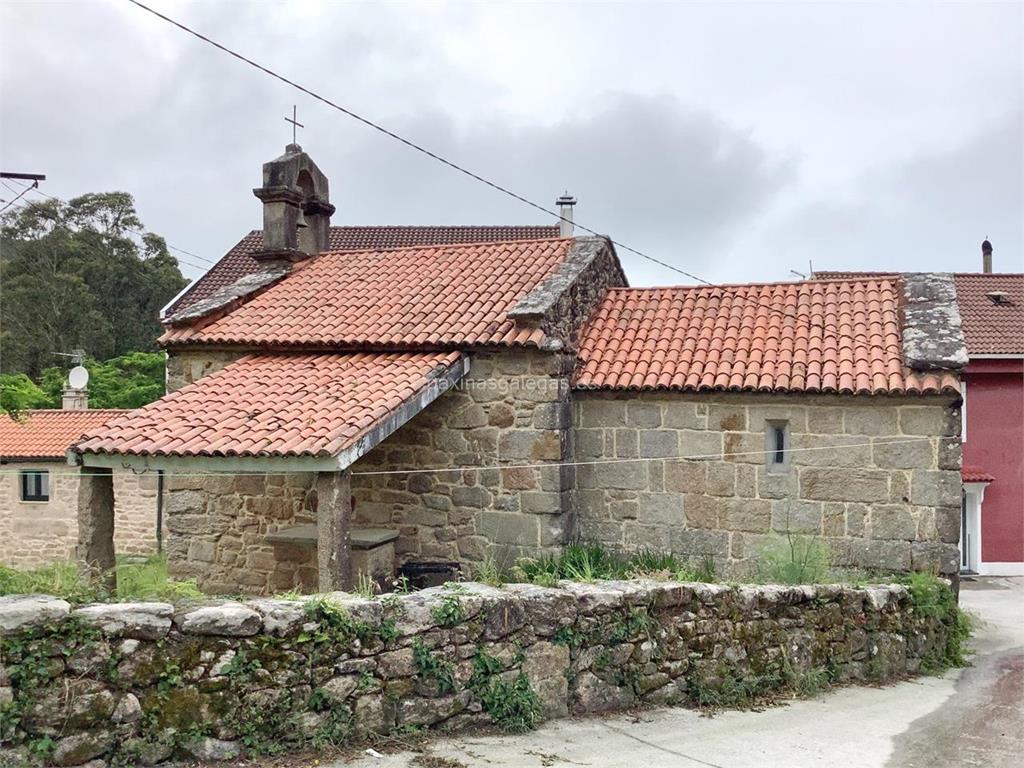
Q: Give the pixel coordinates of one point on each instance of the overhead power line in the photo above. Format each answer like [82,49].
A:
[477,177]
[20,195]
[700,457]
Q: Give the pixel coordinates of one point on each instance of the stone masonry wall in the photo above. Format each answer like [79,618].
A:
[878,500]
[134,513]
[512,408]
[216,527]
[187,365]
[146,682]
[36,533]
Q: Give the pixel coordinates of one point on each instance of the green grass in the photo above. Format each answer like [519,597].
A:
[592,562]
[136,580]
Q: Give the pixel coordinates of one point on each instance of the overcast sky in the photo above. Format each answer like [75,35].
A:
[737,140]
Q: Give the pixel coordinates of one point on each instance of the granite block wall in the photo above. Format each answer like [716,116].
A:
[877,478]
[216,527]
[512,412]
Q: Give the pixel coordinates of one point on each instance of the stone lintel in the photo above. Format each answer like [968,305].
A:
[933,337]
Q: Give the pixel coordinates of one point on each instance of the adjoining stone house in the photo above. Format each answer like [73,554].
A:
[380,407]
[991,306]
[39,491]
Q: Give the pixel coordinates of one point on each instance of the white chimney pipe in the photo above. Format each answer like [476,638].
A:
[565,205]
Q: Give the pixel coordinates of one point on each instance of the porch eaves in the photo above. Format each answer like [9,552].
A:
[276,413]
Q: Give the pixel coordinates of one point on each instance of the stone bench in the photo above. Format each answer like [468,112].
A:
[373,549]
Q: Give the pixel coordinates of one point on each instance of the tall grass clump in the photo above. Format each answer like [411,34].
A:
[592,562]
[794,559]
[137,579]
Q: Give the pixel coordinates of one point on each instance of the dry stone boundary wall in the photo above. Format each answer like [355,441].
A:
[145,682]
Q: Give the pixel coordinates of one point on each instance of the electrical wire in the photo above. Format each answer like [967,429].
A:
[20,195]
[725,456]
[493,185]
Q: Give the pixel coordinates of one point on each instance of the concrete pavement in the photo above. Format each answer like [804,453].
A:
[966,717]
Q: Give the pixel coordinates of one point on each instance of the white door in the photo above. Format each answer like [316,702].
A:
[970,527]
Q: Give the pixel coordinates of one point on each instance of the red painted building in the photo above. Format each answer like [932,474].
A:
[992,531]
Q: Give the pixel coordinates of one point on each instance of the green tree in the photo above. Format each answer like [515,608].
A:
[77,275]
[19,393]
[129,381]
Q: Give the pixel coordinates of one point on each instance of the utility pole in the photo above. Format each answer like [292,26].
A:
[36,177]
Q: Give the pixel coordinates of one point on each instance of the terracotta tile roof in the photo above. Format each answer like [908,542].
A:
[975,475]
[273,405]
[812,336]
[420,297]
[47,434]
[239,261]
[990,328]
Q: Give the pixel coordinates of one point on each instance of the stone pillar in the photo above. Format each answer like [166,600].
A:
[333,522]
[96,526]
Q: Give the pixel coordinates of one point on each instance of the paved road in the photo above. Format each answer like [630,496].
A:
[965,718]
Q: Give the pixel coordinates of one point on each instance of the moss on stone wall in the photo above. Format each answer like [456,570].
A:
[134,683]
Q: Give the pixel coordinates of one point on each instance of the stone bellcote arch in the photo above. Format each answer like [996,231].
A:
[296,207]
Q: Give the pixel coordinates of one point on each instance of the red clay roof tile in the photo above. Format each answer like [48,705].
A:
[47,434]
[991,328]
[239,262]
[273,405]
[975,475]
[430,296]
[812,336]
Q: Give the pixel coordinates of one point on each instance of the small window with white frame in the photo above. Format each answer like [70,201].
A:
[35,485]
[776,449]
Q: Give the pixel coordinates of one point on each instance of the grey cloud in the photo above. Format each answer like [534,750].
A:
[730,140]
[930,213]
[665,179]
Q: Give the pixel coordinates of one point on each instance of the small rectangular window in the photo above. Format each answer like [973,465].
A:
[777,446]
[35,485]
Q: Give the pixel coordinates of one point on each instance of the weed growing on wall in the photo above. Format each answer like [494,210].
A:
[449,611]
[514,706]
[32,658]
[433,666]
[490,573]
[732,690]
[933,598]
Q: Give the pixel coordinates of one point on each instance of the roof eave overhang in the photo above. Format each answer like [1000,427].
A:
[384,428]
[184,465]
[445,379]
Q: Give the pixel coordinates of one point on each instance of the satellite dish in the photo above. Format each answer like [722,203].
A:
[78,377]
